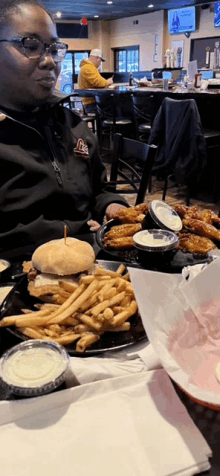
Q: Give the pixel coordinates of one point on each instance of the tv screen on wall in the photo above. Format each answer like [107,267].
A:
[217,14]
[181,20]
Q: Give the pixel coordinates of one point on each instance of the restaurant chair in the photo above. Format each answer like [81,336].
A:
[77,106]
[123,176]
[90,118]
[71,100]
[74,102]
[182,146]
[109,119]
[142,106]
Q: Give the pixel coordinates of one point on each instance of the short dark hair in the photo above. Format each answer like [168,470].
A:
[8,7]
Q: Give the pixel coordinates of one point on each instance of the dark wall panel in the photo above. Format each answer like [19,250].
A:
[72,30]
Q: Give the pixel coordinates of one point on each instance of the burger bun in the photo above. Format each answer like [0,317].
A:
[63,258]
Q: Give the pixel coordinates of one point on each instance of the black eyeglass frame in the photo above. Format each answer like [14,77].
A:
[47,47]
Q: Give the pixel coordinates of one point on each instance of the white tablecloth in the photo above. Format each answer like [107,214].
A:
[119,418]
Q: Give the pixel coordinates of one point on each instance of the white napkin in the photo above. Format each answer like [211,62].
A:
[133,425]
[189,272]
[139,358]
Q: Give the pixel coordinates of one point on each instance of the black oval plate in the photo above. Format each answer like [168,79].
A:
[19,298]
[130,256]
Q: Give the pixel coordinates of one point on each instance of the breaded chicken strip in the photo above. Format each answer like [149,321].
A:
[122,230]
[201,228]
[195,244]
[207,216]
[119,243]
[132,214]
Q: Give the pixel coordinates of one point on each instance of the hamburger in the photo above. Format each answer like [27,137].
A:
[57,260]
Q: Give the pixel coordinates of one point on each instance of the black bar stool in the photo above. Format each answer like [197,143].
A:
[109,119]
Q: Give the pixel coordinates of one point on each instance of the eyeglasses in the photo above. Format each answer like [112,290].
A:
[33,48]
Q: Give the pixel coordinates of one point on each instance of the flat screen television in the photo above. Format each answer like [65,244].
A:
[182,20]
[217,14]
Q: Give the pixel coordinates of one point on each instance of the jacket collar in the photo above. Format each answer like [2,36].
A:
[56,98]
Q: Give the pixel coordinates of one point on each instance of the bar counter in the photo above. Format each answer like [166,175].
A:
[208,101]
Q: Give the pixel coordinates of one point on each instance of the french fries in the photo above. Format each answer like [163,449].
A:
[101,302]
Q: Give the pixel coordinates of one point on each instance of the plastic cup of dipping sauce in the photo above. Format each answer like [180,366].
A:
[4,268]
[155,246]
[162,216]
[34,367]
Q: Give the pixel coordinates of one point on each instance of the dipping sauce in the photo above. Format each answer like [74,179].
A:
[152,240]
[155,246]
[34,367]
[168,218]
[155,240]
[4,265]
[162,216]
[4,290]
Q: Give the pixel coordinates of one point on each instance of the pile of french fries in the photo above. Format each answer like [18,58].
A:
[102,301]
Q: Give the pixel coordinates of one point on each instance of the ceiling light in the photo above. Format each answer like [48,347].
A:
[59,14]
[150,6]
[96,16]
[109,2]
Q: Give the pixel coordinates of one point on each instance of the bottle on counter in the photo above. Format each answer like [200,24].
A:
[198,80]
[207,57]
[216,55]
[179,57]
[131,79]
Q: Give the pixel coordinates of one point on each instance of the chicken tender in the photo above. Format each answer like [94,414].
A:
[119,243]
[201,228]
[122,230]
[132,214]
[181,210]
[195,244]
[207,216]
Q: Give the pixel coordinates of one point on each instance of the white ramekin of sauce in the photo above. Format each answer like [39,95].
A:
[155,245]
[34,367]
[5,289]
[4,266]
[162,216]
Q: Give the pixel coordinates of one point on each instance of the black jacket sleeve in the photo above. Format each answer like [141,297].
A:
[102,196]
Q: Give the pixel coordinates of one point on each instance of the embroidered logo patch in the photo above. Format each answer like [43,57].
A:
[81,149]
[2,116]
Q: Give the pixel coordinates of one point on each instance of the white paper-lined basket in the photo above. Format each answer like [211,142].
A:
[162,306]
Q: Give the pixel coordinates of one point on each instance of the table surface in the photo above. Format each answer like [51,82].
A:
[208,102]
[125,88]
[208,421]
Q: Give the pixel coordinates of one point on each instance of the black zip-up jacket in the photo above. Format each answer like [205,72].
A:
[178,133]
[50,175]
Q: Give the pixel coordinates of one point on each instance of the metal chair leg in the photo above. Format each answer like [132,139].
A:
[165,189]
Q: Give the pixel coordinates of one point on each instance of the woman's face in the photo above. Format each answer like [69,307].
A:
[26,82]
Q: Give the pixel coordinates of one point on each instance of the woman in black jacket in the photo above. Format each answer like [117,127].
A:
[51,174]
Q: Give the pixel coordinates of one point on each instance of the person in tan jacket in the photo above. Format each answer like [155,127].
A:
[89,77]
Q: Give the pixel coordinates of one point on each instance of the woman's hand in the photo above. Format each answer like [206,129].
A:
[112,209]
[93,225]
[110,212]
